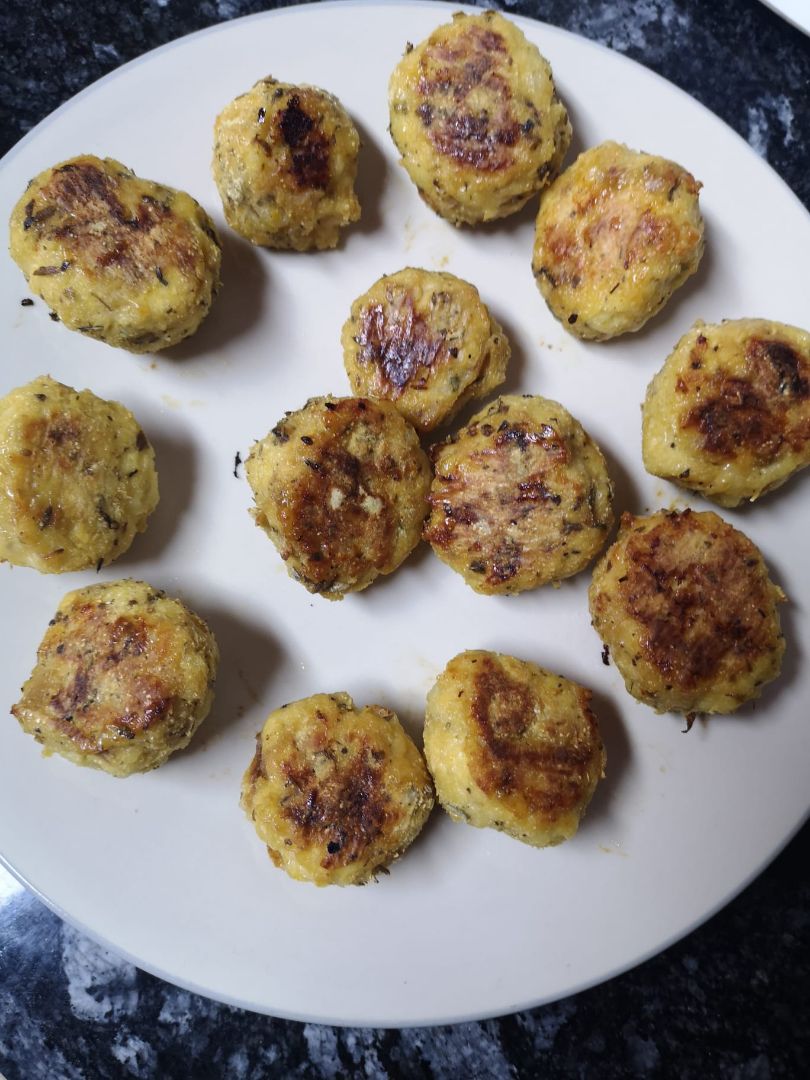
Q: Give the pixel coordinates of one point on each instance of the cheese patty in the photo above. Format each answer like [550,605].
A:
[617,233]
[341,489]
[521,497]
[685,605]
[728,415]
[476,117]
[335,791]
[285,161]
[77,478]
[124,677]
[512,747]
[124,260]
[425,341]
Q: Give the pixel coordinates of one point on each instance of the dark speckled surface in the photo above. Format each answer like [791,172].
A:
[730,1000]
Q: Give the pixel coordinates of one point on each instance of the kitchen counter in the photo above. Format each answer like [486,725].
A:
[730,999]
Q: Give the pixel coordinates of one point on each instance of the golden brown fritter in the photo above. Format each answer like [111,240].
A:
[341,489]
[285,161]
[476,117]
[124,260]
[685,605]
[521,497]
[337,792]
[77,478]
[124,677]
[617,233]
[512,747]
[425,341]
[728,415]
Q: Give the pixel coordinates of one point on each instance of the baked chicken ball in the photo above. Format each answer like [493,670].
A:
[512,747]
[728,415]
[617,233]
[77,478]
[335,791]
[425,341]
[285,161]
[341,489]
[521,497]
[124,677]
[685,605]
[476,118]
[124,260]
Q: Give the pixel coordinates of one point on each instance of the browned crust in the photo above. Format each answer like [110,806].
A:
[569,246]
[298,127]
[399,344]
[475,59]
[752,411]
[326,538]
[346,812]
[508,760]
[700,593]
[516,475]
[79,195]
[121,655]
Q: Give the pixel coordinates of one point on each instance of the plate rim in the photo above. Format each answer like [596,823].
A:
[440,8]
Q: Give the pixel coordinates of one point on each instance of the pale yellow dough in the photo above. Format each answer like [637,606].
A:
[77,478]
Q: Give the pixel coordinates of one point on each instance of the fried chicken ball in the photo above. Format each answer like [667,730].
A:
[126,261]
[476,118]
[335,791]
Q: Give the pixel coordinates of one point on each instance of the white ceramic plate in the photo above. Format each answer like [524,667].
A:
[796,12]
[164,867]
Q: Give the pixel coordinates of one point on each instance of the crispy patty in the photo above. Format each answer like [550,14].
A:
[341,489]
[124,677]
[728,415]
[124,260]
[285,161]
[77,478]
[521,497]
[617,233]
[513,747]
[685,605]
[335,791]
[425,341]
[476,117]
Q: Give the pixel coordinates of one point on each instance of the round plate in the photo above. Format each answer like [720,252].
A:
[164,867]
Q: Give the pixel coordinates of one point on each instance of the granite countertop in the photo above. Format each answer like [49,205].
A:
[729,1000]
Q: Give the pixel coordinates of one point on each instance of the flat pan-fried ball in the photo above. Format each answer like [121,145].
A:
[476,117]
[425,341]
[335,791]
[521,497]
[685,605]
[124,260]
[341,489]
[285,161]
[512,747]
[124,677]
[77,478]
[616,234]
[728,414]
